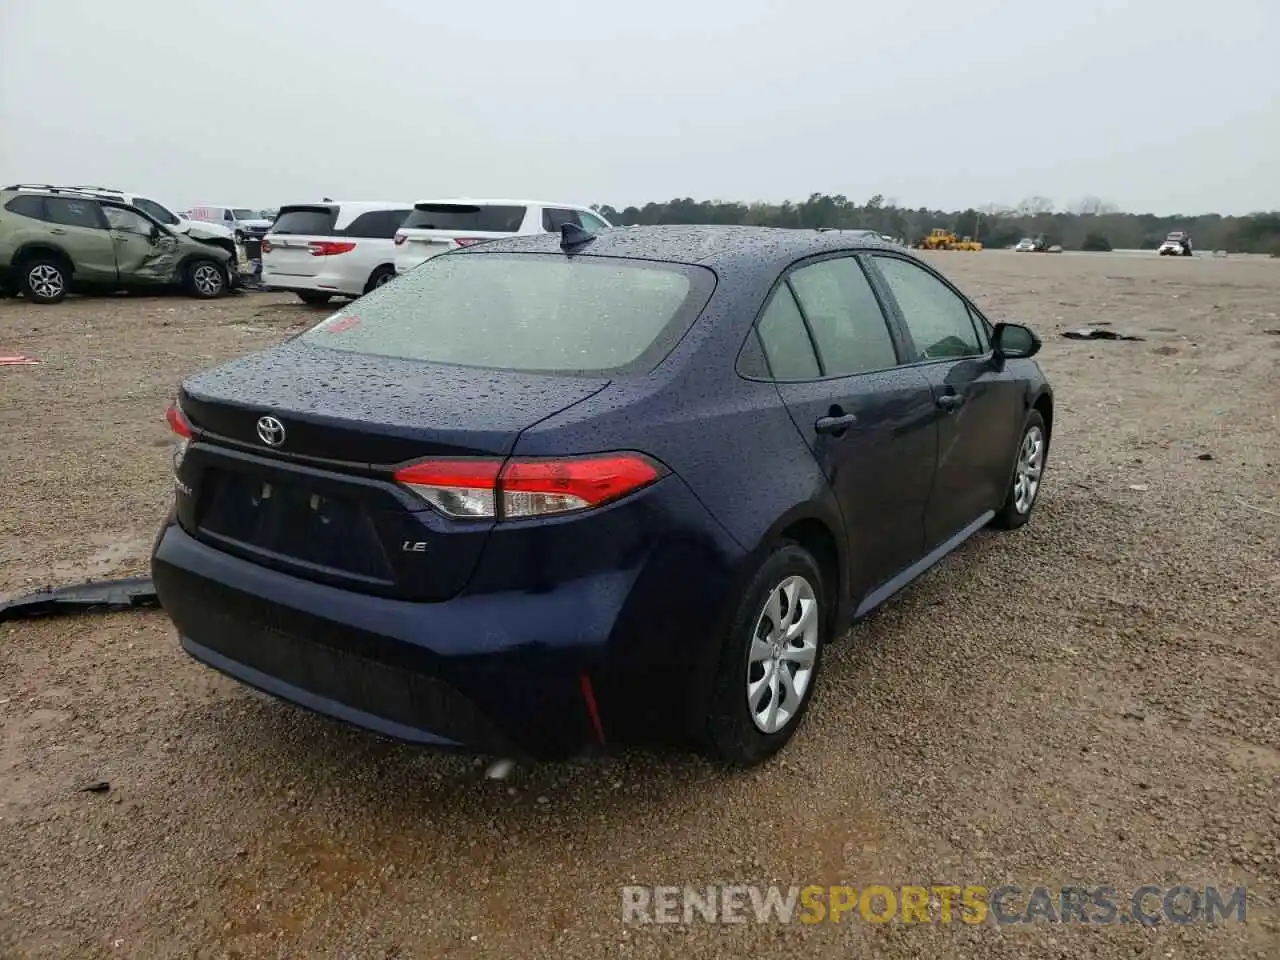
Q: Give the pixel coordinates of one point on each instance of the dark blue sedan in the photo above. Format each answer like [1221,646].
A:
[550,493]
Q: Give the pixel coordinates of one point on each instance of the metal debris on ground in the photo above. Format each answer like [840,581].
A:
[125,594]
[1093,333]
[17,360]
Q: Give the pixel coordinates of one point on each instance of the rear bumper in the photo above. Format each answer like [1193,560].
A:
[544,671]
[407,261]
[332,283]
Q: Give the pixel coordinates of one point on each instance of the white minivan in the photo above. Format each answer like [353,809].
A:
[332,249]
[438,226]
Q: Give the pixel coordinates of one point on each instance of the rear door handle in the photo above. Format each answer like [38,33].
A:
[835,425]
[950,401]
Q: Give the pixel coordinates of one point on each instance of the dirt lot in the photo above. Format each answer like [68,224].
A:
[1095,699]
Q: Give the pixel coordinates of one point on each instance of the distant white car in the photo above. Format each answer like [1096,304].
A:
[1025,245]
[334,248]
[1176,244]
[243,222]
[438,226]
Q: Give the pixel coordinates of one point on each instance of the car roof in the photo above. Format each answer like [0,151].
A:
[508,202]
[353,204]
[766,247]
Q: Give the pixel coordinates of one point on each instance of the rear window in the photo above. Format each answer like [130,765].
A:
[305,221]
[376,224]
[27,206]
[457,216]
[538,313]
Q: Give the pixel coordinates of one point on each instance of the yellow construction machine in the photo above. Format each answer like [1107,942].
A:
[940,239]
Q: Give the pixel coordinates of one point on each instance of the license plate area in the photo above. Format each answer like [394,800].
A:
[293,523]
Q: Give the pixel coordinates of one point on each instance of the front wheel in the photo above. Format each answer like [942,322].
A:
[1028,474]
[205,279]
[769,660]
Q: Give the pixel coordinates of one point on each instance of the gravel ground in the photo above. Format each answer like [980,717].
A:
[1094,699]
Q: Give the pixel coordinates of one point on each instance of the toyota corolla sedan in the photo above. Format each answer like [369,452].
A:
[557,492]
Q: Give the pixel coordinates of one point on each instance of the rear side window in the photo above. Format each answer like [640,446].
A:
[786,343]
[849,328]
[376,224]
[458,216]
[27,206]
[553,219]
[305,221]
[73,213]
[543,313]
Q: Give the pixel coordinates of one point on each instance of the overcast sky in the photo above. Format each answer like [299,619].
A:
[1169,107]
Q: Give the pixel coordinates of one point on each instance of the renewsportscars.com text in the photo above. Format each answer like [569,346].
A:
[1104,904]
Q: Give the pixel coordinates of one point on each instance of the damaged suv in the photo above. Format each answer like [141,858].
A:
[54,241]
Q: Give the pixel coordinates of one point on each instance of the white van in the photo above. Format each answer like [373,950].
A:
[338,248]
[438,226]
[243,222]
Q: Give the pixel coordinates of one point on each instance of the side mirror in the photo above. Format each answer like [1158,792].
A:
[1014,341]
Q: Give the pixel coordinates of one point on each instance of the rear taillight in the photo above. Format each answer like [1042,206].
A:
[400,238]
[469,488]
[468,241]
[266,245]
[181,428]
[329,248]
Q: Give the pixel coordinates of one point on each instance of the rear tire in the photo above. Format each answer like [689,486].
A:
[1028,475]
[314,299]
[383,274]
[768,635]
[44,280]
[206,279]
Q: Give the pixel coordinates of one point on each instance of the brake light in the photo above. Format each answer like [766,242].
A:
[266,245]
[329,248]
[400,238]
[178,422]
[181,427]
[469,488]
[468,241]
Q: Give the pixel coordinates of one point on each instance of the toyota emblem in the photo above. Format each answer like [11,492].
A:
[270,431]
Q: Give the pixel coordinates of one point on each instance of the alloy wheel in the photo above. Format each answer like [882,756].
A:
[1026,481]
[207,279]
[784,650]
[45,281]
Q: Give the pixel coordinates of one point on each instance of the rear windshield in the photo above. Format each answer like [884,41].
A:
[307,221]
[543,313]
[455,216]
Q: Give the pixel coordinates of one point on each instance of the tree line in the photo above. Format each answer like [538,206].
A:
[1090,224]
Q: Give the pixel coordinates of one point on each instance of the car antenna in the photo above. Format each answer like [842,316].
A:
[572,235]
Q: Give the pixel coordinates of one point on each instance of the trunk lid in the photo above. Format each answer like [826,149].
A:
[438,227]
[289,250]
[321,504]
[372,410]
